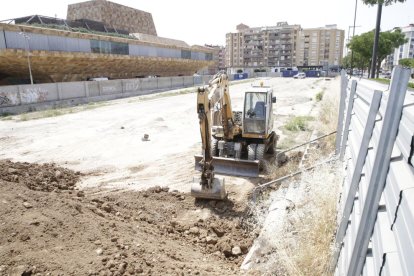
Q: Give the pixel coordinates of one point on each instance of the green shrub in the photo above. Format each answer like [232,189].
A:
[299,123]
[319,96]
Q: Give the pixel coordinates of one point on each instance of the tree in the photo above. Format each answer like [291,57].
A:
[377,26]
[361,45]
[407,62]
[384,2]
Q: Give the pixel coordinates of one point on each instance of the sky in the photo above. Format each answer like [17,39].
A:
[207,22]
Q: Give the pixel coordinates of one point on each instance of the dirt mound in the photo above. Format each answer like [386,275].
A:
[155,232]
[44,177]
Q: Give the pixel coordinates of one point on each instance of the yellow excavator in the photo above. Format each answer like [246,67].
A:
[233,142]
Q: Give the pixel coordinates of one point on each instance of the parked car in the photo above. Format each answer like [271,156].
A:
[299,76]
[387,75]
[98,79]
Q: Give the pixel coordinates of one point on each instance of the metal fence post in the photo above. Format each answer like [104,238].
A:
[339,128]
[356,174]
[349,112]
[393,112]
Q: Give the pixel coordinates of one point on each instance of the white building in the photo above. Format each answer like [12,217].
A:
[404,51]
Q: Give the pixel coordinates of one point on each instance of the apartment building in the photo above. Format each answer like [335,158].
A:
[284,45]
[320,46]
[234,47]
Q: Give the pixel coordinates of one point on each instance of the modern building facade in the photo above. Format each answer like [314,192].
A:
[283,45]
[114,15]
[66,52]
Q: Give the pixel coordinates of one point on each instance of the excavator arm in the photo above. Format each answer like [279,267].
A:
[211,100]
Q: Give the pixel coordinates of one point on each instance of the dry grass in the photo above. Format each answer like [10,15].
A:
[328,117]
[311,225]
[55,112]
[305,245]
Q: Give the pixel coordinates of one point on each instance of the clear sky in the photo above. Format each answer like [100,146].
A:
[200,22]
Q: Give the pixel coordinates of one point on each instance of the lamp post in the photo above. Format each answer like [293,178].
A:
[353,33]
[27,38]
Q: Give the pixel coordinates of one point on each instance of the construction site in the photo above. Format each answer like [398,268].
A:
[105,188]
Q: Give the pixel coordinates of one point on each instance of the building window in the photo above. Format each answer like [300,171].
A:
[118,48]
[108,47]
[185,54]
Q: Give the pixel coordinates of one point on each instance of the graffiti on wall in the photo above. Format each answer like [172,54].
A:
[109,90]
[133,86]
[7,99]
[34,95]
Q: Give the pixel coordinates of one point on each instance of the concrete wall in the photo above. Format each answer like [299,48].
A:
[22,98]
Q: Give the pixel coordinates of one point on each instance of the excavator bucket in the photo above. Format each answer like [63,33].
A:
[218,190]
[231,166]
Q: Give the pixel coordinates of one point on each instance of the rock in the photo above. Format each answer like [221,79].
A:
[211,240]
[3,268]
[12,171]
[236,251]
[114,239]
[157,189]
[104,259]
[99,251]
[181,197]
[99,213]
[58,174]
[80,194]
[194,230]
[24,237]
[27,205]
[122,267]
[220,233]
[139,270]
[110,264]
[34,222]
[97,242]
[107,207]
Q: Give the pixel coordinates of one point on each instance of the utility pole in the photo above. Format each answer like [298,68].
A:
[27,38]
[376,40]
[353,34]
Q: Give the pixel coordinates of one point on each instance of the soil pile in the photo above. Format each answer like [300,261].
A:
[49,227]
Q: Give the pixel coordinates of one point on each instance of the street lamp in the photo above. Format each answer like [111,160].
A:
[27,38]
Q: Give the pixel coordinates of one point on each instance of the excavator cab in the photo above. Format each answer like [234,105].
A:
[258,112]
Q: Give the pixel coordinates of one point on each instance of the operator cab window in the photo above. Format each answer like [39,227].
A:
[255,106]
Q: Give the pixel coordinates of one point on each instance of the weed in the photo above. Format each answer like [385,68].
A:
[319,96]
[299,123]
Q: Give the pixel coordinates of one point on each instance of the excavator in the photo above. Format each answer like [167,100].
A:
[233,142]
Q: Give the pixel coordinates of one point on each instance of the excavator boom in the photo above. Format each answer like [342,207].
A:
[208,186]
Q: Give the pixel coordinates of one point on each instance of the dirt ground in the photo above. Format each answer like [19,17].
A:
[50,227]
[97,200]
